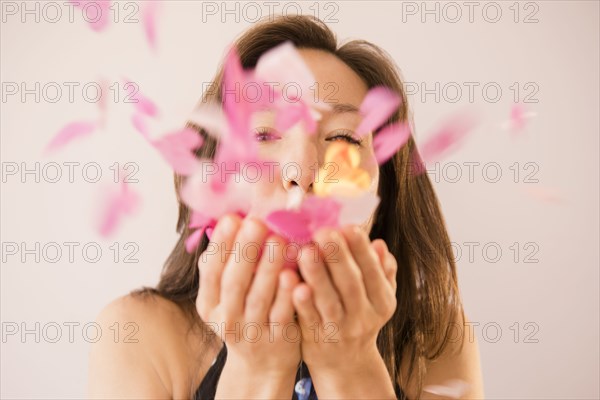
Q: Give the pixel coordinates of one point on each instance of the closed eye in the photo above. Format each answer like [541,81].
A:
[345,135]
[264,134]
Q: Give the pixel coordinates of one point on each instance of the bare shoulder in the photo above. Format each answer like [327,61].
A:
[459,361]
[148,349]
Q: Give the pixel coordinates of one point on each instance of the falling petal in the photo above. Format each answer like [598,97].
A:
[389,140]
[177,148]
[97,12]
[545,194]
[378,105]
[210,118]
[70,132]
[192,241]
[283,64]
[453,389]
[139,122]
[198,193]
[149,15]
[447,137]
[518,118]
[141,103]
[299,225]
[117,204]
[355,210]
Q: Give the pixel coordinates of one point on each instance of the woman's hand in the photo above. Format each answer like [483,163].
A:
[347,297]
[246,298]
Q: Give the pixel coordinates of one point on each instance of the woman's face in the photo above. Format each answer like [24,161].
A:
[297,154]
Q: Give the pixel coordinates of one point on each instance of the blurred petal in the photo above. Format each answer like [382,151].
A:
[97,12]
[177,148]
[389,140]
[199,194]
[210,118]
[447,137]
[356,210]
[376,108]
[149,15]
[70,132]
[192,241]
[116,205]
[139,123]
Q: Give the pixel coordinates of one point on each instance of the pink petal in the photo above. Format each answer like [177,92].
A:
[376,108]
[149,14]
[71,131]
[389,140]
[140,124]
[283,64]
[448,136]
[116,205]
[293,225]
[299,226]
[545,194]
[141,103]
[211,118]
[97,12]
[178,147]
[192,241]
[199,194]
[358,209]
[103,102]
[198,220]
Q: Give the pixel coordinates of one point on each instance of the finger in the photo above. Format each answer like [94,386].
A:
[387,259]
[237,274]
[375,282]
[316,275]
[283,306]
[212,261]
[346,275]
[308,315]
[264,285]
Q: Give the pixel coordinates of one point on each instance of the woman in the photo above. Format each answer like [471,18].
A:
[389,301]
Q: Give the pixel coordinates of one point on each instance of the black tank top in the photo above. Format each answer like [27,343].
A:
[303,389]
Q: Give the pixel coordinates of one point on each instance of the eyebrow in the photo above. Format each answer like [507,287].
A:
[340,108]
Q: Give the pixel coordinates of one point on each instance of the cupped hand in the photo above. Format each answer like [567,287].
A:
[245,296]
[348,294]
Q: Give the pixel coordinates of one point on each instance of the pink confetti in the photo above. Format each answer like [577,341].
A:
[377,106]
[177,148]
[97,12]
[139,123]
[519,115]
[116,205]
[391,138]
[445,139]
[70,132]
[545,194]
[299,225]
[149,15]
[141,103]
[103,102]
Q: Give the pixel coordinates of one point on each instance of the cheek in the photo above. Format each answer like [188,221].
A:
[369,164]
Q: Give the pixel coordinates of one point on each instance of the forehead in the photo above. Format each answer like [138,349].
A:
[335,82]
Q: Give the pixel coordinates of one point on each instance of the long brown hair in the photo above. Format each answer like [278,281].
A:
[408,217]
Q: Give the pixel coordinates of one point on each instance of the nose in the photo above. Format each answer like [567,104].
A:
[300,167]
